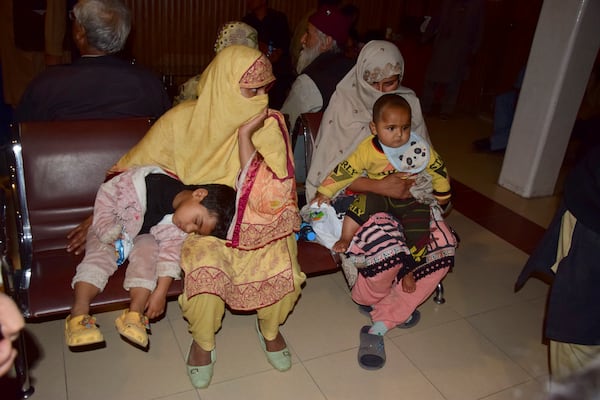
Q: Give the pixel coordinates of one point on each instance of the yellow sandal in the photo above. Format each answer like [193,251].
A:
[81,330]
[133,325]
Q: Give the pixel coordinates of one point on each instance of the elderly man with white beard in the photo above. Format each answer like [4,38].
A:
[321,65]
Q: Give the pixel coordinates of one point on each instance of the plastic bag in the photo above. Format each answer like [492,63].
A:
[123,247]
[325,223]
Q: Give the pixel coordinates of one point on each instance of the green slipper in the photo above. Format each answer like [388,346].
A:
[280,360]
[200,375]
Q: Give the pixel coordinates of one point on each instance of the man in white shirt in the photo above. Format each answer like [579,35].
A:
[321,65]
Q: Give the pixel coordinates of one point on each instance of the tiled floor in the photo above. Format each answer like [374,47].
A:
[483,343]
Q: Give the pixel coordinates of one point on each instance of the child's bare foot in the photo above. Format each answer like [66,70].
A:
[341,246]
[408,283]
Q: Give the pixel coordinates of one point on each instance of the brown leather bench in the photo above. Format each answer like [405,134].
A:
[306,128]
[55,169]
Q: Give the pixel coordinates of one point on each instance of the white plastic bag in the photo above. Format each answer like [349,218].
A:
[325,223]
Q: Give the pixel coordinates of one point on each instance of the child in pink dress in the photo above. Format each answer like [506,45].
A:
[143,215]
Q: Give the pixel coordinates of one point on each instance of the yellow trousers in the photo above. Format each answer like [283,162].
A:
[204,313]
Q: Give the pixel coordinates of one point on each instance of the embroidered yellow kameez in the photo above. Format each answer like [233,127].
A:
[257,268]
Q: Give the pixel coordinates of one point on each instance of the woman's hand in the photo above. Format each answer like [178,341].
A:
[254,124]
[320,198]
[396,186]
[245,132]
[77,236]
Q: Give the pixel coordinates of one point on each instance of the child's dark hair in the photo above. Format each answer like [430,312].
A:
[220,202]
[389,99]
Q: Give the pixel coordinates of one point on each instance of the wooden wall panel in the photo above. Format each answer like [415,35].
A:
[175,38]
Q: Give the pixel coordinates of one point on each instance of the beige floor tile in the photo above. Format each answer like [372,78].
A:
[47,368]
[460,362]
[340,280]
[238,349]
[532,390]
[432,315]
[106,321]
[517,331]
[189,395]
[173,310]
[341,378]
[453,140]
[485,271]
[133,373]
[294,384]
[324,321]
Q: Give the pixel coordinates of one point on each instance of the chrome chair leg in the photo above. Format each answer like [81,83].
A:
[439,294]
[22,369]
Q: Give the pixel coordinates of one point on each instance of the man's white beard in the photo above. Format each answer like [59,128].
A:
[307,56]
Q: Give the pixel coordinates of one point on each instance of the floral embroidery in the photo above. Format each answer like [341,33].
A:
[378,74]
[236,32]
[88,322]
[258,75]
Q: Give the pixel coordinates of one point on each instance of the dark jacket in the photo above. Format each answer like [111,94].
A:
[572,313]
[102,87]
[326,71]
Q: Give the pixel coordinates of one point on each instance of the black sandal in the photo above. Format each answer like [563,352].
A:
[414,319]
[371,353]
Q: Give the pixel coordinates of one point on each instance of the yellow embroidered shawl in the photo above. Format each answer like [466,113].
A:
[197,141]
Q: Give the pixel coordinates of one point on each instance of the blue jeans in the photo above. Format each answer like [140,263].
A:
[504,111]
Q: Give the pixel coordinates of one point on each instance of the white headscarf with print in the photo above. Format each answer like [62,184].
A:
[346,120]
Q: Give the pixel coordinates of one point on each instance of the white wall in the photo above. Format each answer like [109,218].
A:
[562,55]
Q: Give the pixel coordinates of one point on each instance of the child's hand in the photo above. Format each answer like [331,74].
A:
[254,124]
[155,307]
[320,198]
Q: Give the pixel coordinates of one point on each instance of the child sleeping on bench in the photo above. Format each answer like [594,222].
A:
[143,215]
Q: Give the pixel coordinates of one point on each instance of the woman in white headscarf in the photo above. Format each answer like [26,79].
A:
[376,246]
[379,69]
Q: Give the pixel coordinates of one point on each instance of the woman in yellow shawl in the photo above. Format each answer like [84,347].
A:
[257,268]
